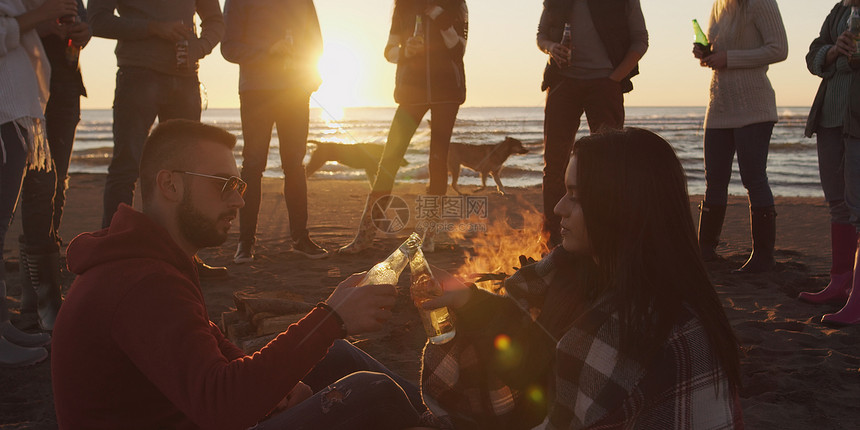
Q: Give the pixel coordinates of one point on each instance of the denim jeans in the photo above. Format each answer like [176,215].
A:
[403,126]
[289,111]
[352,391]
[852,178]
[43,193]
[142,95]
[11,174]
[751,144]
[602,101]
[831,156]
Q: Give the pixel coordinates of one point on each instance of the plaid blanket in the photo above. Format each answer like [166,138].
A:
[578,381]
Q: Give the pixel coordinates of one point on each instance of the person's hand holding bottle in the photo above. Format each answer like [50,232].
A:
[455,293]
[362,309]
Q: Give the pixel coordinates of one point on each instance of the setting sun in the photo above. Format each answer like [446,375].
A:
[341,71]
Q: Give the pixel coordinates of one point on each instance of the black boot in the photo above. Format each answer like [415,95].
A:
[763,229]
[710,226]
[28,294]
[45,277]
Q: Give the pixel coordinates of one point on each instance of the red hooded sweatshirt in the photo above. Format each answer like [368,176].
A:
[134,347]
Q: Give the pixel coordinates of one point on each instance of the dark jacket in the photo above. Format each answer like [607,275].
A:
[828,36]
[253,26]
[134,347]
[437,76]
[608,17]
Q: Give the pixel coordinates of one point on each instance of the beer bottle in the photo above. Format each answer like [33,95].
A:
[180,50]
[567,40]
[72,52]
[437,323]
[418,32]
[388,271]
[701,39]
[854,28]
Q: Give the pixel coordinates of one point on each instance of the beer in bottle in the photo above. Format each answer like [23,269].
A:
[701,39]
[854,28]
[72,52]
[388,271]
[437,322]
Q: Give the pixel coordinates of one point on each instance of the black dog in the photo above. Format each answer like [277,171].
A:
[485,159]
[358,156]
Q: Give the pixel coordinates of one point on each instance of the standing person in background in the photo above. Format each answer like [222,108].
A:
[24,92]
[745,37]
[835,120]
[43,192]
[277,45]
[608,37]
[157,53]
[427,41]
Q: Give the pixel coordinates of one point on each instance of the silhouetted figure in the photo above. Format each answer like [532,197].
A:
[277,45]
[427,41]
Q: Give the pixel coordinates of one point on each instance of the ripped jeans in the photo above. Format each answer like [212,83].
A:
[352,391]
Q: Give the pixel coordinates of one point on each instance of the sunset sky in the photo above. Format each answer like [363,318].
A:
[503,64]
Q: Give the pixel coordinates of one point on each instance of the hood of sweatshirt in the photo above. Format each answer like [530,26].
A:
[131,235]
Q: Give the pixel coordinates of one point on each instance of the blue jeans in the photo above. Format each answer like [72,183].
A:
[831,156]
[352,391]
[751,144]
[11,173]
[403,126]
[142,95]
[288,110]
[43,193]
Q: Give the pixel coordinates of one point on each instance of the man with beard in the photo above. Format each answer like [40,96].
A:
[134,347]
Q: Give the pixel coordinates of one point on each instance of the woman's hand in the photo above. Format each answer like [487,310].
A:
[455,293]
[716,61]
[414,46]
[845,45]
[53,9]
[700,51]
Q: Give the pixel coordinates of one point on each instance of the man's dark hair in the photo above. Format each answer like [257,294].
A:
[168,148]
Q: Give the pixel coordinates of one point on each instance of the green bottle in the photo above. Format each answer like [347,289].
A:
[701,39]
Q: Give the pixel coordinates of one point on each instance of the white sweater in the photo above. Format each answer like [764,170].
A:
[741,94]
[24,81]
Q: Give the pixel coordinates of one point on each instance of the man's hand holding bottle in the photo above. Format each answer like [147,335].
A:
[363,309]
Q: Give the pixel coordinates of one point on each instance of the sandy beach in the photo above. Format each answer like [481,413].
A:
[797,373]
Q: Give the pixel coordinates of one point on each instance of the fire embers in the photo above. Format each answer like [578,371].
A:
[333,395]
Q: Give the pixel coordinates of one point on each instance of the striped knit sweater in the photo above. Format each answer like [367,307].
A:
[741,94]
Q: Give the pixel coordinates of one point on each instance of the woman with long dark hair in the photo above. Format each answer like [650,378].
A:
[628,331]
[427,42]
[746,36]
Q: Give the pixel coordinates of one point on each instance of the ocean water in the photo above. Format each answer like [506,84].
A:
[792,162]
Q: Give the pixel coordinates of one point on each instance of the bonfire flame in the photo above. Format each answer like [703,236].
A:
[496,252]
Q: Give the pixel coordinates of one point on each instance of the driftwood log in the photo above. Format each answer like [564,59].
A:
[257,320]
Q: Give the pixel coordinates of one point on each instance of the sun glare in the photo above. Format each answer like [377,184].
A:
[340,69]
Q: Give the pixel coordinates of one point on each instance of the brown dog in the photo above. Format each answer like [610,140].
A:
[358,156]
[485,159]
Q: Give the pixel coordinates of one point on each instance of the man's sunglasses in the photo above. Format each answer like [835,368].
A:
[231,184]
